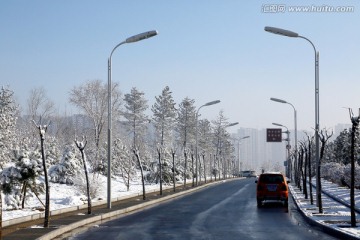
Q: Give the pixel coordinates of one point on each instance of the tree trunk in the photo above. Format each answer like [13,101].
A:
[24,196]
[142,172]
[305,174]
[1,218]
[81,147]
[352,179]
[160,166]
[185,157]
[173,162]
[47,190]
[310,177]
[204,167]
[87,181]
[192,170]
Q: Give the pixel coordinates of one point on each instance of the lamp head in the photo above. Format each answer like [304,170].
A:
[280,31]
[141,36]
[212,103]
[278,100]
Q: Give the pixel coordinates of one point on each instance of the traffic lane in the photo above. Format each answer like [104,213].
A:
[222,211]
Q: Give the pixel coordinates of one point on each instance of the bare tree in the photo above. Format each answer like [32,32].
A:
[92,100]
[324,137]
[81,146]
[310,142]
[42,131]
[355,125]
[40,107]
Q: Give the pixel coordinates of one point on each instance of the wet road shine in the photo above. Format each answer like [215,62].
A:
[222,211]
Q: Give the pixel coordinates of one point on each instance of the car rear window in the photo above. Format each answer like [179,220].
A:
[271,178]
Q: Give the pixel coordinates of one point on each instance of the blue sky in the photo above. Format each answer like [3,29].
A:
[205,50]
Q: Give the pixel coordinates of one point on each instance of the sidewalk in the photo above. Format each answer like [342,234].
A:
[335,218]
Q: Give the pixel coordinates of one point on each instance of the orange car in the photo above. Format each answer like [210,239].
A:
[272,186]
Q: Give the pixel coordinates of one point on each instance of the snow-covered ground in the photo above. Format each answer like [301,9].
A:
[64,196]
[335,215]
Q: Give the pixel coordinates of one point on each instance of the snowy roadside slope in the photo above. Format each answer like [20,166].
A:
[64,196]
[335,216]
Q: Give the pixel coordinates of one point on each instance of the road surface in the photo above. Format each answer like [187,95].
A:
[221,211]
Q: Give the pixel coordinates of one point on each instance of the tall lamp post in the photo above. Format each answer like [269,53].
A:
[288,33]
[196,139]
[287,147]
[226,126]
[131,39]
[239,141]
[295,124]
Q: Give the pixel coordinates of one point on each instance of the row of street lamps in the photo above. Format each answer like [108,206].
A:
[288,33]
[274,30]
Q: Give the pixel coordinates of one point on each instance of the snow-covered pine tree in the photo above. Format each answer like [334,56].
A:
[8,117]
[136,119]
[136,125]
[164,114]
[185,129]
[123,163]
[219,125]
[69,166]
[205,146]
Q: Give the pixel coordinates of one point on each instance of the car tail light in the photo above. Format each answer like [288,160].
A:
[283,188]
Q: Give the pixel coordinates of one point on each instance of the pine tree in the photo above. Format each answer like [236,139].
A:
[135,107]
[205,146]
[123,163]
[164,114]
[8,117]
[185,128]
[219,125]
[68,168]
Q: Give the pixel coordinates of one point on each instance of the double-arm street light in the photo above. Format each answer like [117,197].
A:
[196,139]
[295,123]
[287,147]
[288,33]
[131,39]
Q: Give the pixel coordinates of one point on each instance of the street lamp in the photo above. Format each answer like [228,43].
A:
[131,39]
[196,139]
[317,115]
[231,124]
[226,126]
[287,147]
[295,123]
[239,141]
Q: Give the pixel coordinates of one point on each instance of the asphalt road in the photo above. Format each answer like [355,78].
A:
[222,211]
